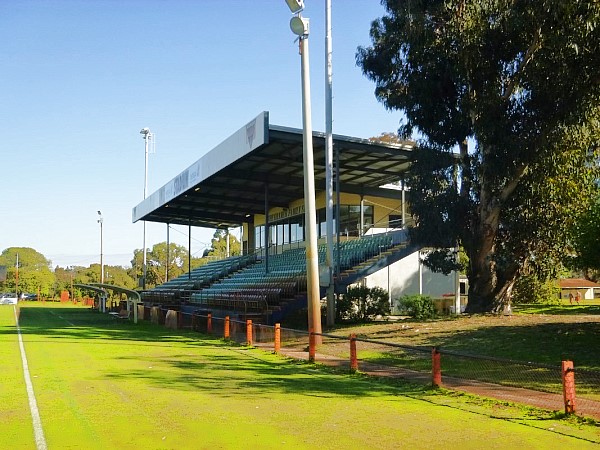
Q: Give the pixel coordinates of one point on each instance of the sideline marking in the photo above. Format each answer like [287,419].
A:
[40,440]
[61,317]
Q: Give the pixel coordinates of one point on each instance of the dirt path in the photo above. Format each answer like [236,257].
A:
[544,400]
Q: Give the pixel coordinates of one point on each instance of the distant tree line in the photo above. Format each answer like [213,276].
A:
[35,274]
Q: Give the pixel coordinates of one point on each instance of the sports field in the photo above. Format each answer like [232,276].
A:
[110,384]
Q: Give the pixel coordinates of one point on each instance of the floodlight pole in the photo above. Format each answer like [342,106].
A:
[299,26]
[147,134]
[17,278]
[101,221]
[329,167]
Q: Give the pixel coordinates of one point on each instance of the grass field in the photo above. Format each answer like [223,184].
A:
[543,334]
[110,384]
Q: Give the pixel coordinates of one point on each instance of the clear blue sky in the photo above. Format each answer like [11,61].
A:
[80,78]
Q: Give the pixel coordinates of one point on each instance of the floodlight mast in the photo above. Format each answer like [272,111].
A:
[101,221]
[147,136]
[329,169]
[299,27]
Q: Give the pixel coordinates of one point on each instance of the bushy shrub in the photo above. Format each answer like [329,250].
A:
[529,289]
[419,307]
[362,304]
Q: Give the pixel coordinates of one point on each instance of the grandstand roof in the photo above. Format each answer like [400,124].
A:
[227,186]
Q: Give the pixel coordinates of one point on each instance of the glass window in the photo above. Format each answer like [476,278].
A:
[286,232]
[259,237]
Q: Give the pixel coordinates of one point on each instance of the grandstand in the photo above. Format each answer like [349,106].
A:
[254,180]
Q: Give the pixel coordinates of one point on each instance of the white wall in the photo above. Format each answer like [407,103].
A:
[402,278]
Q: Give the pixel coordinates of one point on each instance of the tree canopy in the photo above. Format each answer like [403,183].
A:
[219,245]
[33,270]
[157,265]
[586,242]
[505,98]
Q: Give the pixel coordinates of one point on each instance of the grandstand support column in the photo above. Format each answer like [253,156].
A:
[329,166]
[168,256]
[362,216]
[189,251]
[267,228]
[403,203]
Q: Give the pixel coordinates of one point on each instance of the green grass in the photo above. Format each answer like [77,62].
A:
[535,333]
[563,308]
[543,334]
[16,420]
[108,384]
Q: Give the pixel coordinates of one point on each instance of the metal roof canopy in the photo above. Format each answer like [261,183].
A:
[228,185]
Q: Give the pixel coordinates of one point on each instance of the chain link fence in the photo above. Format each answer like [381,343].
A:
[535,384]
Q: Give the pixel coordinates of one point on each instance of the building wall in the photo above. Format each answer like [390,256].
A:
[383,207]
[402,278]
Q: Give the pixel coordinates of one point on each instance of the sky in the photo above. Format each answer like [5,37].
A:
[81,78]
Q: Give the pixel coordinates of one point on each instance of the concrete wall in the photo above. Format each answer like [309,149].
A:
[402,278]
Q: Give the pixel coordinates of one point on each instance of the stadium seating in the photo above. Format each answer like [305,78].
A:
[243,284]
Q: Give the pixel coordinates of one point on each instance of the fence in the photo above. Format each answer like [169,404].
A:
[554,387]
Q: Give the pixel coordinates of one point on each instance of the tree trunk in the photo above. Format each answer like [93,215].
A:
[483,276]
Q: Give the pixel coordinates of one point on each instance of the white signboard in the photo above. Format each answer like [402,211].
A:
[251,136]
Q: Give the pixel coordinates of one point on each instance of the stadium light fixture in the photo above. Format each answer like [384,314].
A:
[299,26]
[296,6]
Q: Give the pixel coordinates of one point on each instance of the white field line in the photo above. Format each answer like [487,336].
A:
[40,440]
[61,317]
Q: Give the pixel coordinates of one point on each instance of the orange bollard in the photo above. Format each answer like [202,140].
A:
[209,323]
[249,332]
[353,358]
[226,328]
[568,379]
[311,345]
[436,368]
[277,338]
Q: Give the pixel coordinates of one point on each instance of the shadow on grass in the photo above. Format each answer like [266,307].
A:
[231,370]
[228,371]
[84,323]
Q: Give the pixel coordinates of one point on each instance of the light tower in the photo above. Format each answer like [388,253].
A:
[299,26]
[147,136]
[101,221]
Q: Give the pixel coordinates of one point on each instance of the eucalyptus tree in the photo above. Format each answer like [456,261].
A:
[504,96]
[219,245]
[157,264]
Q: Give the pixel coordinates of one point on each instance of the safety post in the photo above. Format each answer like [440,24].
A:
[209,323]
[353,358]
[194,320]
[311,345]
[226,328]
[179,320]
[249,332]
[277,344]
[436,368]
[568,380]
